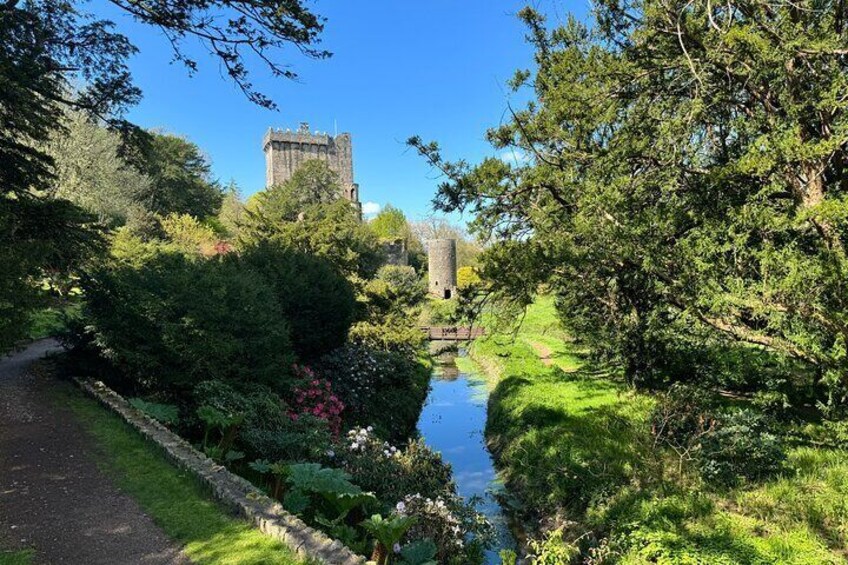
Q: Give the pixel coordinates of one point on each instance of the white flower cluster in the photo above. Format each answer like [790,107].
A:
[432,510]
[361,373]
[363,439]
[358,438]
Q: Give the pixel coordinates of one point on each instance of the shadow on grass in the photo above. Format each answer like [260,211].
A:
[717,547]
[565,439]
[685,526]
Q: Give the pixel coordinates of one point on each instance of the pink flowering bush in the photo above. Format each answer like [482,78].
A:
[222,247]
[315,398]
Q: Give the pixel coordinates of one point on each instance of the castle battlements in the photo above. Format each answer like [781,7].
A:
[289,136]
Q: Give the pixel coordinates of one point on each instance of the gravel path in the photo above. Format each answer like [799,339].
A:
[53,497]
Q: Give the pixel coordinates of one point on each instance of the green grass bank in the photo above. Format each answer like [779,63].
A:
[574,446]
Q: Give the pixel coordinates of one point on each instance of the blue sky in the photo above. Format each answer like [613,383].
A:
[434,68]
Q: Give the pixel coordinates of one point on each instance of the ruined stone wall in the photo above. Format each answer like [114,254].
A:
[441,255]
[286,151]
[396,253]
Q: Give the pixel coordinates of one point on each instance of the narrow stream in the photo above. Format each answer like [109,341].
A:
[453,422]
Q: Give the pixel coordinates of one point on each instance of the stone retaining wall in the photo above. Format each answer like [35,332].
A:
[233,491]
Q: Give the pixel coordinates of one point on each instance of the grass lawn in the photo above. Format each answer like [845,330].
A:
[16,557]
[574,446]
[175,501]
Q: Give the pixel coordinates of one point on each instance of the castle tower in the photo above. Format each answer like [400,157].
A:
[441,255]
[286,150]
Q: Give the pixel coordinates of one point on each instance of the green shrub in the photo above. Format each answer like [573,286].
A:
[389,472]
[267,432]
[508,557]
[681,413]
[467,277]
[54,320]
[553,549]
[381,389]
[399,286]
[316,299]
[833,433]
[442,312]
[306,439]
[261,407]
[397,333]
[392,308]
[170,322]
[331,230]
[725,447]
[775,403]
[460,533]
[740,447]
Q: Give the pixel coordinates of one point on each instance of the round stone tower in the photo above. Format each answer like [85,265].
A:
[442,264]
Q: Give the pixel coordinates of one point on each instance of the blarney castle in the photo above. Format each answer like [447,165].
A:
[286,150]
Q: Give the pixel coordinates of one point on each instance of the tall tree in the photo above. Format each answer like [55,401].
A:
[687,180]
[390,223]
[314,182]
[182,177]
[232,212]
[308,213]
[90,172]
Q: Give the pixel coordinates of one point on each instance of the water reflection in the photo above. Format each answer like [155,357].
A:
[453,422]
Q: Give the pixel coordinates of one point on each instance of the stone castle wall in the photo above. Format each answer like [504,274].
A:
[441,255]
[396,253]
[286,151]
